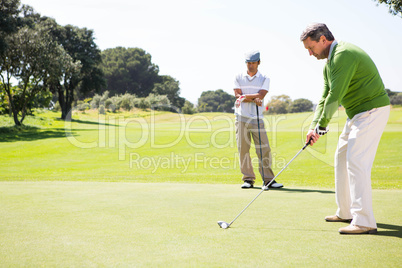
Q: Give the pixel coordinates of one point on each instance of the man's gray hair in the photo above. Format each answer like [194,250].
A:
[315,30]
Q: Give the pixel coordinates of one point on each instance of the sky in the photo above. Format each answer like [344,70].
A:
[202,43]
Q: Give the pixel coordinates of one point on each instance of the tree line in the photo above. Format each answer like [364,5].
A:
[41,61]
[220,101]
[44,57]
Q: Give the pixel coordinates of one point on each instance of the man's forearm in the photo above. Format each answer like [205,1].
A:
[250,97]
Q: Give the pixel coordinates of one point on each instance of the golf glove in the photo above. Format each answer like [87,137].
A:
[240,100]
[321,130]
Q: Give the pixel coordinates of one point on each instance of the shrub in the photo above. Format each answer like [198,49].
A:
[158,102]
[114,103]
[143,104]
[83,106]
[127,101]
[102,109]
[96,100]
[188,108]
[396,99]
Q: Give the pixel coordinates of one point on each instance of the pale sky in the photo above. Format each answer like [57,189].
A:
[202,43]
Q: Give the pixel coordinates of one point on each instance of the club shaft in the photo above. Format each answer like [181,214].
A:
[301,150]
[246,207]
[259,138]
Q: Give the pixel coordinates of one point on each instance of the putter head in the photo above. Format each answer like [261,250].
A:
[223,224]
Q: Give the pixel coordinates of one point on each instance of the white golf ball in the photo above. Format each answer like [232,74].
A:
[224,225]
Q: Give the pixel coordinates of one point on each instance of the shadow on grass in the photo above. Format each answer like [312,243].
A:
[89,122]
[29,133]
[390,230]
[32,133]
[298,190]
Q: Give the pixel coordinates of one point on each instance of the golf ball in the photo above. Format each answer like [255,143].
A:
[224,225]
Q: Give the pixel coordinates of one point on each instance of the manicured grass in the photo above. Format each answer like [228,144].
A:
[74,194]
[165,147]
[81,224]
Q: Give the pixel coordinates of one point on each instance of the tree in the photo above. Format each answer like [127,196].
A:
[188,108]
[129,70]
[216,101]
[80,68]
[279,104]
[169,87]
[395,6]
[27,58]
[301,105]
[8,20]
[394,97]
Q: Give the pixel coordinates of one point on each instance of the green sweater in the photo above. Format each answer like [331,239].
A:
[351,79]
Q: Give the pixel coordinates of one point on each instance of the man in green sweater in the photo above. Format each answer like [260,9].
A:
[351,79]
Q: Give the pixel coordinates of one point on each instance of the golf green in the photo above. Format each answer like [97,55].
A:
[81,224]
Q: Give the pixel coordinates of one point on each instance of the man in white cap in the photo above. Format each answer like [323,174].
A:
[250,89]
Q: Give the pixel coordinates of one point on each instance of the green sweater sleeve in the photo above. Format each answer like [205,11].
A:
[320,106]
[351,79]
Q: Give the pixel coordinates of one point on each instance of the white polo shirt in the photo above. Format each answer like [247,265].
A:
[250,85]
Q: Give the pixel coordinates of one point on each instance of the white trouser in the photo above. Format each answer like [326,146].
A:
[354,158]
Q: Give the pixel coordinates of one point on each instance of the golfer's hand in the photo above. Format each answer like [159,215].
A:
[313,136]
[258,101]
[240,100]
[321,130]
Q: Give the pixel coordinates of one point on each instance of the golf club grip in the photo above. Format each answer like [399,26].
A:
[307,143]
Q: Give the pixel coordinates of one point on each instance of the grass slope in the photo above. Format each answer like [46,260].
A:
[76,224]
[67,197]
[165,147]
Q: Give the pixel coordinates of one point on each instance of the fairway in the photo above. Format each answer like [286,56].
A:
[65,224]
[165,147]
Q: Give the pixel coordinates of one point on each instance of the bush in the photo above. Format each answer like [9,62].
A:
[216,101]
[301,105]
[99,100]
[130,101]
[143,103]
[396,99]
[83,106]
[102,109]
[4,109]
[127,101]
[188,108]
[159,102]
[57,107]
[96,100]
[113,103]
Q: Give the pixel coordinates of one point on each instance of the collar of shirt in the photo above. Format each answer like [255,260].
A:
[252,77]
[332,48]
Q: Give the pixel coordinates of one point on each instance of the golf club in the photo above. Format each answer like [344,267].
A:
[226,225]
[264,187]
